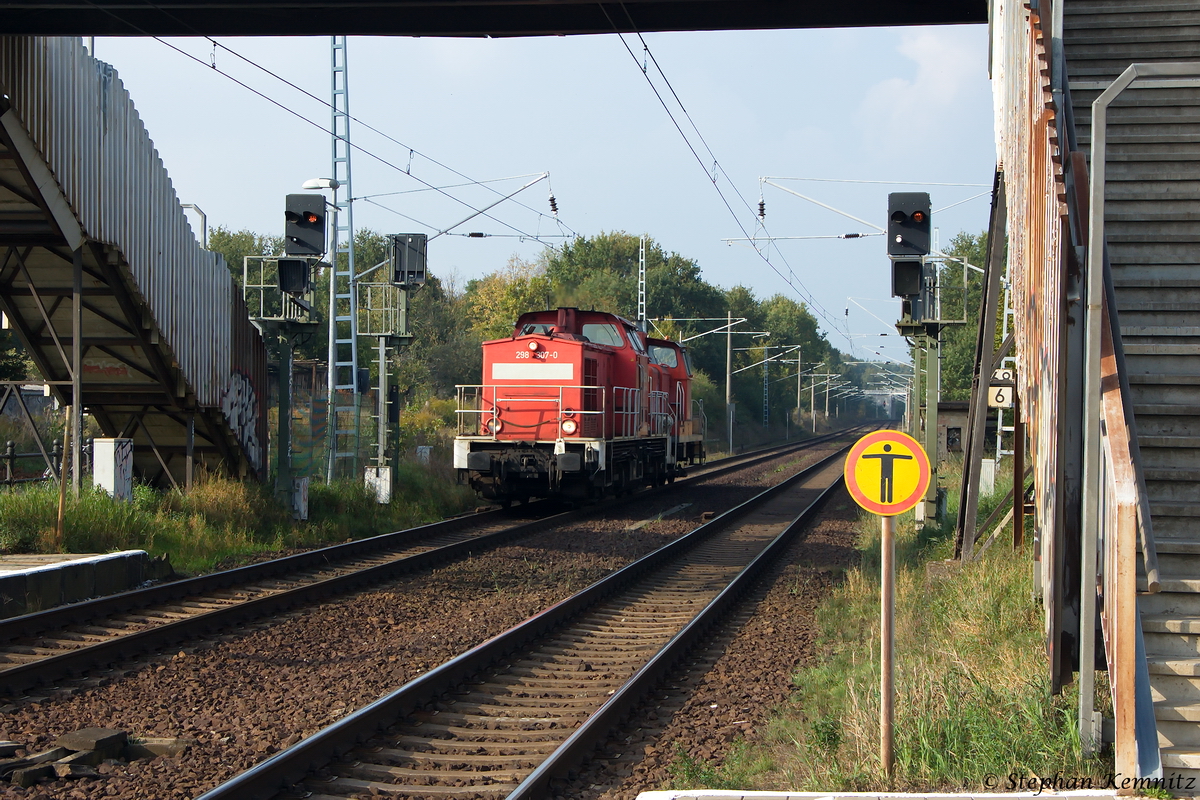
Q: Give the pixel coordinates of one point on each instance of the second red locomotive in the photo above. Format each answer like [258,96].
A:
[577,403]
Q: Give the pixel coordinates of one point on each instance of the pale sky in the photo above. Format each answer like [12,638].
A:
[883,104]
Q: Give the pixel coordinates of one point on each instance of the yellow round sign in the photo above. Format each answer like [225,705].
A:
[887,472]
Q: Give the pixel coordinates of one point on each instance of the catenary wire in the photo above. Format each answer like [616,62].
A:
[327,104]
[801,291]
[322,128]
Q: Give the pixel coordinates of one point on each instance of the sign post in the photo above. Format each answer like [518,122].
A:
[887,473]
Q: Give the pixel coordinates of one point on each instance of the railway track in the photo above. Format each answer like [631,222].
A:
[507,717]
[47,646]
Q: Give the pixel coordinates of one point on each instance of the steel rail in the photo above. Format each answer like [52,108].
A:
[37,622]
[78,660]
[596,728]
[293,764]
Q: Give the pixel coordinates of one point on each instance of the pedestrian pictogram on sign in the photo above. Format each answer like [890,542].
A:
[887,472]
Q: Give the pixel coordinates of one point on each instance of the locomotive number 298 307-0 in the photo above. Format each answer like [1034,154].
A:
[605,408]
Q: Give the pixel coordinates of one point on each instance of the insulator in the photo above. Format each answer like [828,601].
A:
[553,205]
[476,234]
[762,209]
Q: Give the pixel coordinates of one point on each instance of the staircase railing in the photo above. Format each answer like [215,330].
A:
[1116,512]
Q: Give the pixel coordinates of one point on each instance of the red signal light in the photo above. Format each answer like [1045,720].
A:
[310,218]
[918,217]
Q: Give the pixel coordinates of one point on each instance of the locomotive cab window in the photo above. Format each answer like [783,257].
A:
[664,355]
[536,329]
[603,333]
[635,338]
[687,362]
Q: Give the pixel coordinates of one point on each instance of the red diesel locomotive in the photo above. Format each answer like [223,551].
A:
[577,403]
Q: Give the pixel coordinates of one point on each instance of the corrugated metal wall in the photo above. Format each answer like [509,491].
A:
[83,122]
[1029,155]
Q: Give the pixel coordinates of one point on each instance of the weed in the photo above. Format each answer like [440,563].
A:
[221,521]
[972,691]
[688,772]
[827,734]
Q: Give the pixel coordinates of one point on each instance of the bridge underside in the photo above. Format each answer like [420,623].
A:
[55,282]
[465,17]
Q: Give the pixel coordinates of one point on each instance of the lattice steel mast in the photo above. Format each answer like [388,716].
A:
[343,304]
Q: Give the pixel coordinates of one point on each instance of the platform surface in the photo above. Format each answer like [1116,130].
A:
[25,562]
[36,582]
[712,794]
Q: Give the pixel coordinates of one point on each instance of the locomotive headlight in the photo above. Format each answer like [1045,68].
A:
[533,346]
[493,426]
[569,426]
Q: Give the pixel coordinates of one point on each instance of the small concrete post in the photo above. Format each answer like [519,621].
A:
[112,461]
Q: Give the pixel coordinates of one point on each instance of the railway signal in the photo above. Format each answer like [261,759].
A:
[908,241]
[304,231]
[909,227]
[408,259]
[293,275]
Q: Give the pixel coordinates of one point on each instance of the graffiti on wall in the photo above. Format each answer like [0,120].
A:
[242,412]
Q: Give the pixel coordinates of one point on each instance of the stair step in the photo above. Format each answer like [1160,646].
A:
[1172,474]
[1180,546]
[1180,757]
[1125,308]
[1156,283]
[1175,509]
[1168,623]
[1169,584]
[1169,442]
[1177,713]
[1160,330]
[1166,409]
[1160,665]
[1164,379]
[1161,349]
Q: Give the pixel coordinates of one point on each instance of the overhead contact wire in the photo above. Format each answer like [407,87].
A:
[804,294]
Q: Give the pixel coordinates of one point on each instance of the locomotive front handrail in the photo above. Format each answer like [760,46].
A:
[478,398]
[629,413]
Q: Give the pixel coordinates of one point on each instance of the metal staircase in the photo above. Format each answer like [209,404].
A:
[1152,221]
[103,280]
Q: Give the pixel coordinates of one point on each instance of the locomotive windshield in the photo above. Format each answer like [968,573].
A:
[687,360]
[603,333]
[664,355]
[542,329]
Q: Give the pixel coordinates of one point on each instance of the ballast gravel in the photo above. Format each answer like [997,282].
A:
[245,695]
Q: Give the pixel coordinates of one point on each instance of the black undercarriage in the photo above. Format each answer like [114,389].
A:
[517,471]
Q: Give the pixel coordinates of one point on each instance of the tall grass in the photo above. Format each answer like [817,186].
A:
[973,701]
[221,522]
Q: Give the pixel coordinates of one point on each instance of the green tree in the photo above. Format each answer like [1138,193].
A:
[495,301]
[233,246]
[601,273]
[958,341]
[444,352]
[13,363]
